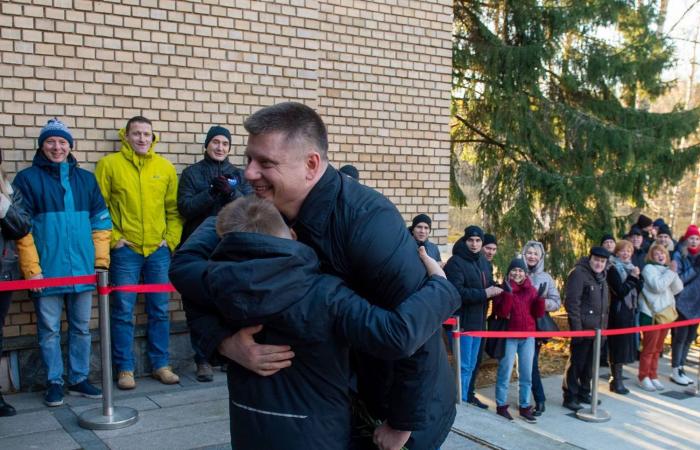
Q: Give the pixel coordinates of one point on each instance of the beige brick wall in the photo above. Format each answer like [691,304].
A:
[377,71]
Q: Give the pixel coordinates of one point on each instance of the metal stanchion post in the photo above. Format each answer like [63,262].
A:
[457,357]
[695,390]
[109,417]
[594,414]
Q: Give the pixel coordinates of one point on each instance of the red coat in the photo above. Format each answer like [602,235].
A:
[521,307]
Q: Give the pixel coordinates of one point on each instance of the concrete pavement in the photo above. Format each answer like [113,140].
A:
[193,415]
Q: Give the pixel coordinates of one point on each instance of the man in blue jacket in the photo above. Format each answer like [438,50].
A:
[359,236]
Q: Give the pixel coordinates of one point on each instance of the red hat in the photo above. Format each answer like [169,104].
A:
[691,231]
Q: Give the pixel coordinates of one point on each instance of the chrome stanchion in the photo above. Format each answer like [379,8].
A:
[109,417]
[695,390]
[457,356]
[594,414]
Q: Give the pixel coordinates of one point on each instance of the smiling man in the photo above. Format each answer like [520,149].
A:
[204,189]
[140,188]
[359,236]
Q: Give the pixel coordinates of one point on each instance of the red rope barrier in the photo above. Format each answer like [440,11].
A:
[582,333]
[19,285]
[137,288]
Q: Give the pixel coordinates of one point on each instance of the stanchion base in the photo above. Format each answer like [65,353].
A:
[121,417]
[693,392]
[586,414]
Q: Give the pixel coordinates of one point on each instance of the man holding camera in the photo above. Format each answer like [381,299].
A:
[204,189]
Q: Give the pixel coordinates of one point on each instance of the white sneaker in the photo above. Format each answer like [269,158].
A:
[657,384]
[681,370]
[646,384]
[678,378]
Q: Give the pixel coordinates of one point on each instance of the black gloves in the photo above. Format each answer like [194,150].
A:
[541,290]
[221,186]
[506,286]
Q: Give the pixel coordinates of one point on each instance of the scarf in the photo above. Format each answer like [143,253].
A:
[624,269]
[693,251]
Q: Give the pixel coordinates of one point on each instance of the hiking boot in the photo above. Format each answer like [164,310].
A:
[204,373]
[54,395]
[125,380]
[539,409]
[166,376]
[85,389]
[657,384]
[572,405]
[646,384]
[503,412]
[527,415]
[678,377]
[478,403]
[6,410]
[616,384]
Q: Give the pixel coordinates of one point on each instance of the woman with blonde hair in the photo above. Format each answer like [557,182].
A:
[14,224]
[656,306]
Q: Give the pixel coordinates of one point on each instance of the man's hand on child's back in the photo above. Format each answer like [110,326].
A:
[431,265]
[265,360]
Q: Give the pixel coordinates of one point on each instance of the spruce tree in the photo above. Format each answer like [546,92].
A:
[550,102]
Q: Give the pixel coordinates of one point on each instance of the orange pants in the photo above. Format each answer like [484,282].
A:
[652,346]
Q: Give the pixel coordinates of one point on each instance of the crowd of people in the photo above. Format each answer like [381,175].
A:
[306,286]
[644,278]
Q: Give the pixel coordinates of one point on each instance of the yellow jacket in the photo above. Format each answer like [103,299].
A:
[141,193]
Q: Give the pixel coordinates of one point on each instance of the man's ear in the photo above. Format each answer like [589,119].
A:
[313,165]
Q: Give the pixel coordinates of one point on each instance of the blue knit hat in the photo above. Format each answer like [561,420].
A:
[214,131]
[55,127]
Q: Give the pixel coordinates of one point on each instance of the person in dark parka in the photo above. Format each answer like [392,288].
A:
[359,236]
[625,284]
[469,271]
[15,223]
[586,303]
[204,188]
[258,275]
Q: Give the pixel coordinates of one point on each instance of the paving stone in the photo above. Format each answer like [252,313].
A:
[190,396]
[53,440]
[211,433]
[29,423]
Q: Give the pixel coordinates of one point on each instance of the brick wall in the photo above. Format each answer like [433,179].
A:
[377,71]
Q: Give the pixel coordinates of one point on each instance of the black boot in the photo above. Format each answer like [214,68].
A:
[5,409]
[616,384]
[539,409]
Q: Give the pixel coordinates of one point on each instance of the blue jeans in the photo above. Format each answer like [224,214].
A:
[48,312]
[469,351]
[525,349]
[126,267]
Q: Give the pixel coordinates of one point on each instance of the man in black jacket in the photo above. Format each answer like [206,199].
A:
[469,271]
[204,189]
[359,236]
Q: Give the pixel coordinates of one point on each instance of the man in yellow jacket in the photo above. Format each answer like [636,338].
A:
[140,188]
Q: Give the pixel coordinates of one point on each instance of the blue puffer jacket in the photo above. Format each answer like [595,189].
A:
[68,212]
[688,269]
[256,279]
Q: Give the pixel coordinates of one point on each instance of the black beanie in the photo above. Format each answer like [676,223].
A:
[635,230]
[664,229]
[644,221]
[216,130]
[599,251]
[473,230]
[518,263]
[607,236]
[421,218]
[489,239]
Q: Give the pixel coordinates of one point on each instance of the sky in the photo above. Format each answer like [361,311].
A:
[682,33]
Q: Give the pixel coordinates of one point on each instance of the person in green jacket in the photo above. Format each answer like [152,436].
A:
[140,188]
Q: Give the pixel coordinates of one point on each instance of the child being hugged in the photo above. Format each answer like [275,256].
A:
[521,307]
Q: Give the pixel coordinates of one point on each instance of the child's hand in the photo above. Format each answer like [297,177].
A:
[431,265]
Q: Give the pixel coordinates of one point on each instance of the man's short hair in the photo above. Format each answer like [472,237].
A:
[297,121]
[137,119]
[251,215]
